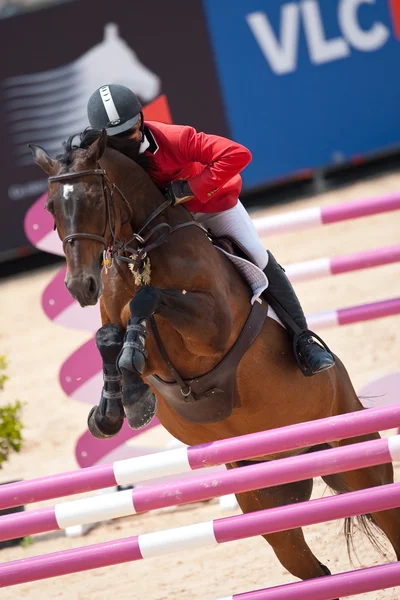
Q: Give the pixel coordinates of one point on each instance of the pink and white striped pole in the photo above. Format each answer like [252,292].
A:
[173,462]
[316,216]
[326,266]
[210,533]
[325,588]
[39,224]
[197,489]
[354,314]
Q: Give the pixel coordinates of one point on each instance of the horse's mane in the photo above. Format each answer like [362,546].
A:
[86,137]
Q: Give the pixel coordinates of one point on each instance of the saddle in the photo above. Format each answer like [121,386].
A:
[233,247]
[212,396]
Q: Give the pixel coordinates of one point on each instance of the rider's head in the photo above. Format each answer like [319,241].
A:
[118,110]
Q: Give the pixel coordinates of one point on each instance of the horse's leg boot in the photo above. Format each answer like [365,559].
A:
[139,402]
[106,419]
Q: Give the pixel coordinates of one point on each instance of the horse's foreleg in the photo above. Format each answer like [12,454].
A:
[191,314]
[139,402]
[106,419]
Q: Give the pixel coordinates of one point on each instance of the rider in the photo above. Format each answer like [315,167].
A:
[203,171]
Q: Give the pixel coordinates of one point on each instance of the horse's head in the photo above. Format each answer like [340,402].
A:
[80,200]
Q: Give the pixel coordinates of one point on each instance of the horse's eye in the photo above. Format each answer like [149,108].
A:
[99,200]
[49,207]
[94,195]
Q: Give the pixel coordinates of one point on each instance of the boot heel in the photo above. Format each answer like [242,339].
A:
[312,357]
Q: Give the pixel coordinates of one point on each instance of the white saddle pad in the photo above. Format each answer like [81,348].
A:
[255,277]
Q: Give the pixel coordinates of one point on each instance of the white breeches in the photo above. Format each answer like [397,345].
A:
[236,222]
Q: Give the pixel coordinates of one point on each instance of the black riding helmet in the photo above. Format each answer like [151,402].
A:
[114,108]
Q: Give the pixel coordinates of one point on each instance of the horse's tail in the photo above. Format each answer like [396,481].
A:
[367,526]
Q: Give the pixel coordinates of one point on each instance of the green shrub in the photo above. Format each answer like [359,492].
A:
[10,421]
[3,366]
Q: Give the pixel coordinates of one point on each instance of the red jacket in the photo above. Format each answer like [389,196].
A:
[211,164]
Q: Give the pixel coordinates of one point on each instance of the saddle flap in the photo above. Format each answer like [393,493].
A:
[233,247]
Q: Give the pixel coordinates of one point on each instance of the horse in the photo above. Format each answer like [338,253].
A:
[174,309]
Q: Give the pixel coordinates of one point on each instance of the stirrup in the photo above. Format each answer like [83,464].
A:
[305,370]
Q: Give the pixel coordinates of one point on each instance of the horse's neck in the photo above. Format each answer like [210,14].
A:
[144,198]
[141,193]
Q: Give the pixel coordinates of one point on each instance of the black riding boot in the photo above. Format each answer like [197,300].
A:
[280,295]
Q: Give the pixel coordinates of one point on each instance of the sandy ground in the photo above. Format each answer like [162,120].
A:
[36,348]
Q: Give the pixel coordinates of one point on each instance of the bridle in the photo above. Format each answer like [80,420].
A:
[108,188]
[116,247]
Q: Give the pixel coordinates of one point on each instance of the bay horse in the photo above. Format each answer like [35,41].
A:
[179,320]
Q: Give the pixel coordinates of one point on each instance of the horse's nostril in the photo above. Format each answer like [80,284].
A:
[92,287]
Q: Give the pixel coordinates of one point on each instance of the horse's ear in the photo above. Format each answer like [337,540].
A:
[42,159]
[96,150]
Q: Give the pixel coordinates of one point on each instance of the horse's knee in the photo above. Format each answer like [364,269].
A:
[109,340]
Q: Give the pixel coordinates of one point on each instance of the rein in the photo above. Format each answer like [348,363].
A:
[116,247]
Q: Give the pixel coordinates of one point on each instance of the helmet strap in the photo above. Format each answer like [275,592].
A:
[142,125]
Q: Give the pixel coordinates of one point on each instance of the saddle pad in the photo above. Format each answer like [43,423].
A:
[254,276]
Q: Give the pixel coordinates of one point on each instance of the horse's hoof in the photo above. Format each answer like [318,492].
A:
[100,427]
[325,569]
[141,412]
[326,572]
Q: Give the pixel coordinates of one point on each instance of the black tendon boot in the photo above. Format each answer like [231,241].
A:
[280,295]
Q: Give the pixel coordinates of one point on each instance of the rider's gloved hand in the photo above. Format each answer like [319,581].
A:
[178,191]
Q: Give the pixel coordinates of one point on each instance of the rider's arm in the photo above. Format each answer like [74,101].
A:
[223,159]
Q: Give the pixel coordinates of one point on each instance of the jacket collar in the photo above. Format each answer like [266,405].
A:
[149,143]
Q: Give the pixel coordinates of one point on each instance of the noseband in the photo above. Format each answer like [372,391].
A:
[116,247]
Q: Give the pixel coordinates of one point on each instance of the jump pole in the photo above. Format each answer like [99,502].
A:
[210,533]
[325,588]
[172,462]
[324,215]
[328,266]
[196,489]
[354,314]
